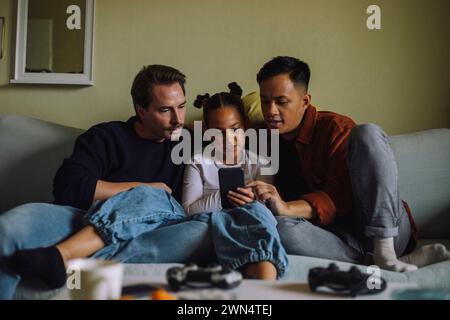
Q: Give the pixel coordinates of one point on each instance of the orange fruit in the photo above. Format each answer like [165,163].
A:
[161,294]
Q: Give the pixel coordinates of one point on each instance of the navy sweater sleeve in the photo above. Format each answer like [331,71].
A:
[113,152]
[75,182]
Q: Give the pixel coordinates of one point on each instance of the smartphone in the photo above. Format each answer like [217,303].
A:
[230,179]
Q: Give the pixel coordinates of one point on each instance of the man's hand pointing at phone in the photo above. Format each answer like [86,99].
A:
[268,194]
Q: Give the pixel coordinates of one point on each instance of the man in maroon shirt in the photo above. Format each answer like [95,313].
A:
[336,194]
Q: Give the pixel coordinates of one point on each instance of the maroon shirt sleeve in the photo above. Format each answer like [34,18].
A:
[335,196]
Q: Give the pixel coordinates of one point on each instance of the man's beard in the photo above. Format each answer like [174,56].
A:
[175,132]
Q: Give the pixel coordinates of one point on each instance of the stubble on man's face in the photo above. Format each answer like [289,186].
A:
[165,116]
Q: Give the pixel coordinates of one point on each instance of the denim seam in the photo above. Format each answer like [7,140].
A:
[106,229]
[141,219]
[381,232]
[259,256]
[100,218]
[104,233]
[396,219]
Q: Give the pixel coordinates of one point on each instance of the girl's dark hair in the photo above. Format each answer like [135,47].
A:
[220,100]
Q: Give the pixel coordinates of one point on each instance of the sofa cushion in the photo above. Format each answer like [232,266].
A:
[423,160]
[31,151]
[252,108]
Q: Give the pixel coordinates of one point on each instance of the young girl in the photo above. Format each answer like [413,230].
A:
[223,112]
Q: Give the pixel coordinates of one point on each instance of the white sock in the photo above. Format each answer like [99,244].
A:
[385,257]
[429,254]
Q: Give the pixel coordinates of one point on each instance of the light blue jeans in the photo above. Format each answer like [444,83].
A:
[145,225]
[378,210]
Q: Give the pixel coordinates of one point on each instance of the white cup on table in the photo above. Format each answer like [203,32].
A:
[91,279]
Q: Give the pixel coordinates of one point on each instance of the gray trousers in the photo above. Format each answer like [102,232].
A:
[377,208]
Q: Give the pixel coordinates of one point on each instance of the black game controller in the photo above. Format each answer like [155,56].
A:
[352,281]
[195,277]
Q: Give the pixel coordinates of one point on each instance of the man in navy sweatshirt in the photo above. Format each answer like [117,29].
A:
[108,159]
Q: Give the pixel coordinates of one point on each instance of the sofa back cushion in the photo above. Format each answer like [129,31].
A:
[423,160]
[31,152]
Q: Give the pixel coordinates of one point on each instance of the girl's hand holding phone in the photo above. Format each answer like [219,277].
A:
[241,196]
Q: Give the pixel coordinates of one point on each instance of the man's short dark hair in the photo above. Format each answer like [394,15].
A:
[298,70]
[152,75]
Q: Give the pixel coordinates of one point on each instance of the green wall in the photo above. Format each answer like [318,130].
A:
[397,77]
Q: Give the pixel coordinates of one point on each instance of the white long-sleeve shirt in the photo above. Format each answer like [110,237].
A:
[201,181]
